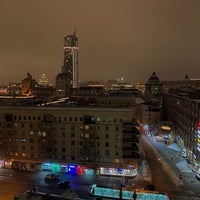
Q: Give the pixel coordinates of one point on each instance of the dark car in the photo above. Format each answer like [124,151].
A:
[150,187]
[51,177]
[64,185]
[197,176]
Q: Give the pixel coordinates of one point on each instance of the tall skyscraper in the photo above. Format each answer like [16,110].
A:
[70,65]
[69,77]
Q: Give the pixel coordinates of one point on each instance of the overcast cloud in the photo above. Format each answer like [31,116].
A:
[117,38]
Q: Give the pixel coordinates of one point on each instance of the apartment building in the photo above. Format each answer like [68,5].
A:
[95,136]
[183,109]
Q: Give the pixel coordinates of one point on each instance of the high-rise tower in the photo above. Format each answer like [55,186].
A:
[69,77]
[70,66]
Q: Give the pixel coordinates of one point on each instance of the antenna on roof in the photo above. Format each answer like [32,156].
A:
[75,31]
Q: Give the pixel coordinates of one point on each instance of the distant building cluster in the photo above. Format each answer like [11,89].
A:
[94,124]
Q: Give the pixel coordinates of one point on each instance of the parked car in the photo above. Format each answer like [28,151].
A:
[64,185]
[51,176]
[150,187]
[197,176]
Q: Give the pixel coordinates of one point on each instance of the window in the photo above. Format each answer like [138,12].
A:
[72,157]
[117,144]
[72,134]
[98,119]
[31,133]
[117,136]
[63,149]
[107,152]
[23,154]
[23,147]
[107,144]
[106,136]
[31,140]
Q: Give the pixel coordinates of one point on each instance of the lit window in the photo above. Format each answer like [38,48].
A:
[23,140]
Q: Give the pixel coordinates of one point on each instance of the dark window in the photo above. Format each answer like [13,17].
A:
[9,118]
[106,144]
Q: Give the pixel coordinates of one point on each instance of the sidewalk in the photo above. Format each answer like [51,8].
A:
[178,167]
[184,165]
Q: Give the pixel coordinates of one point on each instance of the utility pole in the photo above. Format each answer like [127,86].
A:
[134,195]
[120,193]
[191,182]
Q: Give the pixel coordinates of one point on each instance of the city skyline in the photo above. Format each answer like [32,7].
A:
[129,39]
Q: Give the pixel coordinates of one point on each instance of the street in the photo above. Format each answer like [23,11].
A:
[12,182]
[156,167]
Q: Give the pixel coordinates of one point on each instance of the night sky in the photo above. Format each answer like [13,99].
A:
[117,38]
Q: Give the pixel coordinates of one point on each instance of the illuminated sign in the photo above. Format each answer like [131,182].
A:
[56,167]
[72,169]
[126,194]
[166,128]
